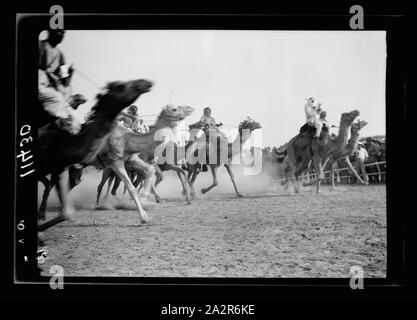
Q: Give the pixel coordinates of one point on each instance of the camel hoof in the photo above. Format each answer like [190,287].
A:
[159,201]
[41,239]
[145,219]
[203,191]
[239,195]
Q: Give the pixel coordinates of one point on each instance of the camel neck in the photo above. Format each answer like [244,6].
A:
[236,146]
[93,138]
[353,142]
[342,138]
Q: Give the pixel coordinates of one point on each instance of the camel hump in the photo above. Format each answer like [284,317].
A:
[307,130]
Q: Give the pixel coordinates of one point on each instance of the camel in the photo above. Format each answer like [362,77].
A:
[303,148]
[58,149]
[232,149]
[75,101]
[137,178]
[124,146]
[346,152]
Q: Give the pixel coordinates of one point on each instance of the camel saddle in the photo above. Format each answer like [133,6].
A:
[309,131]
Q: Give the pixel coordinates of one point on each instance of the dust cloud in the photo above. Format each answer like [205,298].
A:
[84,195]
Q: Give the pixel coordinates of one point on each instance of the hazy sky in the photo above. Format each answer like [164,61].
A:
[262,74]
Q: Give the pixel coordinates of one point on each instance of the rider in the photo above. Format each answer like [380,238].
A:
[207,120]
[142,127]
[207,124]
[323,119]
[130,118]
[54,77]
[313,116]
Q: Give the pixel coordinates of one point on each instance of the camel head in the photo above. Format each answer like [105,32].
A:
[118,95]
[357,126]
[249,124]
[175,113]
[348,117]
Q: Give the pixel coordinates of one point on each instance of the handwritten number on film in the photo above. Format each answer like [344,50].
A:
[25,154]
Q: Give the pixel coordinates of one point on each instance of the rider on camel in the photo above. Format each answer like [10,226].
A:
[54,77]
[207,121]
[313,116]
[130,119]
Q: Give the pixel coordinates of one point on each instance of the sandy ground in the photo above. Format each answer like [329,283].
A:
[264,234]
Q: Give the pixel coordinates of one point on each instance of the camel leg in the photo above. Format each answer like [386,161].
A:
[159,177]
[104,177]
[230,172]
[131,173]
[120,170]
[332,168]
[296,182]
[67,209]
[214,173]
[147,170]
[320,176]
[192,176]
[139,181]
[116,185]
[296,171]
[292,180]
[109,183]
[48,187]
[354,171]
[182,175]
[75,174]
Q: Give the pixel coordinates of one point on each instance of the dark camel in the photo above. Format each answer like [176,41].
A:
[58,149]
[232,149]
[303,148]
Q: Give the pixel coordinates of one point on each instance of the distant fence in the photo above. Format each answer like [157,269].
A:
[349,178]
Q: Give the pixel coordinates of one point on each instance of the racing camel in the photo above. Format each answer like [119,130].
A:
[233,149]
[58,149]
[344,153]
[303,148]
[124,146]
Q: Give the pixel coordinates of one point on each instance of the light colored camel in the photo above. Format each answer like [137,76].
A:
[58,149]
[138,177]
[124,146]
[344,153]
